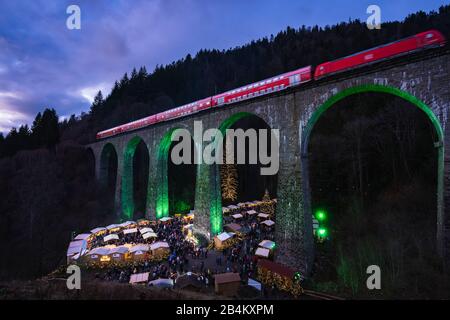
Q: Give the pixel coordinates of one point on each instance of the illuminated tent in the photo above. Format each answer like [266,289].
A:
[145,230]
[129,231]
[75,250]
[127,224]
[143,222]
[160,249]
[148,235]
[267,244]
[237,216]
[139,251]
[232,227]
[139,277]
[99,254]
[83,236]
[118,253]
[98,230]
[110,237]
[222,240]
[251,212]
[262,252]
[263,215]
[268,223]
[165,219]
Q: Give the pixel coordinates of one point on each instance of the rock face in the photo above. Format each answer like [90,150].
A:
[423,79]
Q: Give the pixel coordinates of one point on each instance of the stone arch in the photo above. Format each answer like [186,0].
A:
[162,181]
[108,166]
[127,189]
[215,209]
[305,137]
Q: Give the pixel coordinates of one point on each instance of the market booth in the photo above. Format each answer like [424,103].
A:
[160,250]
[119,253]
[139,252]
[232,227]
[75,250]
[227,284]
[139,277]
[110,238]
[262,253]
[268,223]
[98,255]
[223,240]
[98,231]
[276,274]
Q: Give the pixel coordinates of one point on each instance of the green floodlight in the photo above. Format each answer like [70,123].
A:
[321,215]
[322,232]
[297,276]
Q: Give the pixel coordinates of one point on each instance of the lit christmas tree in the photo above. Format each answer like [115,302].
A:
[267,206]
[229,182]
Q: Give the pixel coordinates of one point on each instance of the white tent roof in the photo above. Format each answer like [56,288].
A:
[161,283]
[98,229]
[139,247]
[128,231]
[255,284]
[262,252]
[110,237]
[165,219]
[237,216]
[240,204]
[126,223]
[267,244]
[250,212]
[145,230]
[119,249]
[158,245]
[139,277]
[224,236]
[233,207]
[263,215]
[100,251]
[75,247]
[82,236]
[112,226]
[149,235]
[268,223]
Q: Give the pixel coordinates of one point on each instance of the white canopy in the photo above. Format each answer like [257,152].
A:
[255,284]
[224,236]
[161,283]
[165,219]
[241,204]
[237,216]
[139,277]
[233,207]
[76,247]
[268,223]
[82,236]
[262,252]
[102,251]
[112,226]
[263,215]
[126,223]
[110,237]
[128,231]
[145,230]
[98,229]
[267,244]
[158,245]
[119,249]
[149,235]
[139,247]
[251,212]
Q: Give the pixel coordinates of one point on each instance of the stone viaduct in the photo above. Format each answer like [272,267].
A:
[422,79]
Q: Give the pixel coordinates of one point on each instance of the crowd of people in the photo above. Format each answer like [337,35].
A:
[200,261]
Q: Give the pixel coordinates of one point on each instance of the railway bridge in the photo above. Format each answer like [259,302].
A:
[423,79]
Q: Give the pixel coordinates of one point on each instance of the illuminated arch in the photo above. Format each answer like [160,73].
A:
[215,210]
[401,94]
[128,205]
[108,159]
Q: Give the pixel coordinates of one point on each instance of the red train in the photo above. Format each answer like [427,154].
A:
[297,77]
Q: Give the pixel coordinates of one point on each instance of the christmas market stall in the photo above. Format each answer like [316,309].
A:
[278,275]
[98,255]
[119,253]
[149,236]
[113,228]
[223,240]
[139,252]
[143,222]
[130,231]
[139,278]
[76,250]
[227,284]
[110,238]
[99,231]
[145,230]
[262,253]
[160,250]
[237,216]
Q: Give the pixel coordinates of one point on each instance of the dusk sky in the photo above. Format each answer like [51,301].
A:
[44,64]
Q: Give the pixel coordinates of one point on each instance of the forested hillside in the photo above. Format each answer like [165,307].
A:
[46,180]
